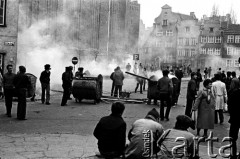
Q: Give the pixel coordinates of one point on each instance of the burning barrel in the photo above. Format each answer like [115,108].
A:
[88,88]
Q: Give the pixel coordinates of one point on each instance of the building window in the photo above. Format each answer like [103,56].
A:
[237,39]
[2,12]
[168,44]
[236,64]
[169,33]
[193,41]
[158,44]
[210,51]
[230,39]
[159,33]
[229,51]
[187,52]
[165,22]
[229,63]
[211,30]
[218,39]
[203,50]
[210,39]
[192,52]
[187,41]
[180,41]
[217,51]
[238,51]
[187,29]
[203,39]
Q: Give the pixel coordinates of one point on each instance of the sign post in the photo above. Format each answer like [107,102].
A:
[74,61]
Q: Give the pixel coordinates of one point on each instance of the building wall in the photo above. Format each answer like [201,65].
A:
[8,36]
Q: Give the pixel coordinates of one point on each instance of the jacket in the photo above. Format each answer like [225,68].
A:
[191,89]
[118,77]
[111,134]
[165,85]
[234,107]
[45,77]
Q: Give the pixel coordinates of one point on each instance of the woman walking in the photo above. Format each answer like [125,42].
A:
[205,104]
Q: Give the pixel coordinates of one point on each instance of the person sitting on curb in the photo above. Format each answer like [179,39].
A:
[167,143]
[144,132]
[111,133]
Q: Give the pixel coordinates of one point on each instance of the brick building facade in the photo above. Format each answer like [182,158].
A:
[8,33]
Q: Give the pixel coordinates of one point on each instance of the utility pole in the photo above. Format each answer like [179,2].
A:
[109,20]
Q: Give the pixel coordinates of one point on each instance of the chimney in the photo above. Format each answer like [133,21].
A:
[228,19]
[192,15]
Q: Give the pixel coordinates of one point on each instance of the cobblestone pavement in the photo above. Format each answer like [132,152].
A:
[66,132]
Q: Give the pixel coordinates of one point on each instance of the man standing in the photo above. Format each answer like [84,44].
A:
[191,93]
[220,94]
[8,88]
[113,83]
[111,132]
[234,109]
[66,84]
[21,83]
[199,78]
[179,75]
[45,84]
[234,83]
[128,67]
[118,78]
[209,71]
[165,88]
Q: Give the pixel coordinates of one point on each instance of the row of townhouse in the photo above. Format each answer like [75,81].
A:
[179,40]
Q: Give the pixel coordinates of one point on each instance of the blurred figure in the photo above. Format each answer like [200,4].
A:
[111,133]
[145,74]
[71,73]
[128,67]
[234,109]
[118,78]
[205,73]
[66,84]
[205,104]
[45,84]
[209,71]
[223,76]
[79,74]
[165,88]
[191,93]
[228,81]
[220,96]
[135,68]
[144,131]
[8,88]
[179,75]
[21,83]
[199,78]
[113,83]
[167,141]
[234,83]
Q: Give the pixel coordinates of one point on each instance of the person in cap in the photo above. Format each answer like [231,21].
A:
[21,82]
[111,132]
[66,84]
[8,88]
[191,93]
[205,104]
[167,141]
[79,73]
[45,84]
[144,132]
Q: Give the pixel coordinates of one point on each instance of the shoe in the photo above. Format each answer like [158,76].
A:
[63,105]
[9,115]
[221,122]
[167,119]
[69,98]
[21,118]
[47,103]
[162,119]
[141,92]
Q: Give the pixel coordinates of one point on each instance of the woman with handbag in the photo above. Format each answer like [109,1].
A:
[205,104]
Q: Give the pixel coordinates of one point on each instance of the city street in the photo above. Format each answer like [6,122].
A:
[52,131]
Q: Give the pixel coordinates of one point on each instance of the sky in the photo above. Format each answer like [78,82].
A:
[150,9]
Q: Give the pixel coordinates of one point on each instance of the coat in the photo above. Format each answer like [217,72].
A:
[220,94]
[118,77]
[205,114]
[191,89]
[234,107]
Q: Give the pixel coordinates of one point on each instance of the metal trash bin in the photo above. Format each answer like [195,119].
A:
[88,88]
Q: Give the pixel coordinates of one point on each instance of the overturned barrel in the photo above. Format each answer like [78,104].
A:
[88,88]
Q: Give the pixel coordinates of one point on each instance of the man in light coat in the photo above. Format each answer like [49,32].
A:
[220,93]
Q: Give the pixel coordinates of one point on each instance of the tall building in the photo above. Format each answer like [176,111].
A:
[8,33]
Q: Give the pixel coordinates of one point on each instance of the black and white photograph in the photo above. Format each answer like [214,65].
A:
[119,79]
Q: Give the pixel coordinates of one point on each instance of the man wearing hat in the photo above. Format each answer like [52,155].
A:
[168,142]
[144,132]
[45,84]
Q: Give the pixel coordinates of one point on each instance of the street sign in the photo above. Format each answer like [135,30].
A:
[135,56]
[74,60]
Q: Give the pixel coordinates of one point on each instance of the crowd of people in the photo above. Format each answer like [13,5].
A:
[204,109]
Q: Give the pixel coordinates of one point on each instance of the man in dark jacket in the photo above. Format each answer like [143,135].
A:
[165,88]
[179,75]
[21,83]
[67,83]
[111,132]
[113,83]
[118,78]
[198,79]
[45,84]
[191,93]
[8,88]
[234,109]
